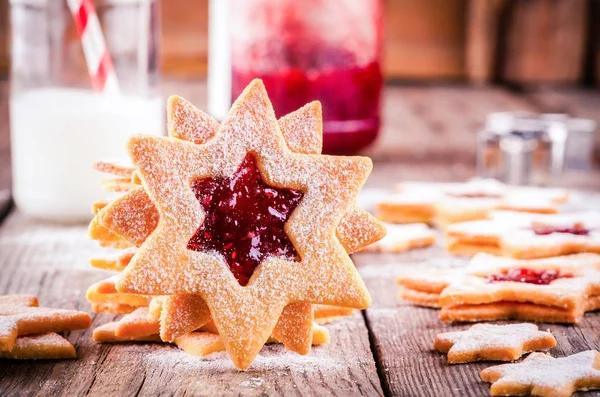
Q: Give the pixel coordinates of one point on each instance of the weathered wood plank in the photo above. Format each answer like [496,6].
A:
[545,42]
[424,39]
[51,261]
[483,30]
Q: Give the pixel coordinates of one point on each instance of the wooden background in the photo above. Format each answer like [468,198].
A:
[519,42]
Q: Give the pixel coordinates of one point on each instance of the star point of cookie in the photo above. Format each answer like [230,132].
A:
[543,375]
[323,271]
[492,342]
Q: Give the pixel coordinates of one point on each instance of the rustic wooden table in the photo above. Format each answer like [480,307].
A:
[386,350]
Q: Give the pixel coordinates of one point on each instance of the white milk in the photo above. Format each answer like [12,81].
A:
[57,135]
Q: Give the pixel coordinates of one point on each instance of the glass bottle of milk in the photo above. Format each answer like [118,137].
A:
[60,126]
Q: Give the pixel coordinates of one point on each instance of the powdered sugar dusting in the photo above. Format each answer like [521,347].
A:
[253,382]
[541,369]
[303,129]
[272,358]
[114,167]
[187,122]
[488,336]
[358,229]
[133,216]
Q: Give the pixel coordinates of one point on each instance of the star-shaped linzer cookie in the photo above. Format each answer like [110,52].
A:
[133,217]
[543,375]
[322,272]
[493,342]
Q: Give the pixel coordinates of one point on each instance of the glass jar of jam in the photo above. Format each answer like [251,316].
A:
[326,50]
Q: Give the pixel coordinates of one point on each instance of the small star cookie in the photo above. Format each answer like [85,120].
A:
[492,342]
[28,331]
[543,375]
[20,315]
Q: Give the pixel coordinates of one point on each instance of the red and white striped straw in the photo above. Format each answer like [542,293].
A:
[99,62]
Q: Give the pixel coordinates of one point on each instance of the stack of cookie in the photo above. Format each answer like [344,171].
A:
[559,289]
[233,234]
[28,331]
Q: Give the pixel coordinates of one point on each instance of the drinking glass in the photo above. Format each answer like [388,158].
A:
[60,125]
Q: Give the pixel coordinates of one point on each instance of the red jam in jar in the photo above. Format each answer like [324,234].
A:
[530,276]
[244,219]
[325,50]
[349,97]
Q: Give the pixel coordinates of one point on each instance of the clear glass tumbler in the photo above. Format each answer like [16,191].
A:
[326,50]
[60,125]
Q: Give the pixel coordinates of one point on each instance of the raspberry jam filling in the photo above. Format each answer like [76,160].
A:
[244,219]
[530,276]
[546,230]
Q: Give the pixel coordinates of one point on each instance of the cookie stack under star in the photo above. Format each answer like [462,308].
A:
[236,233]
